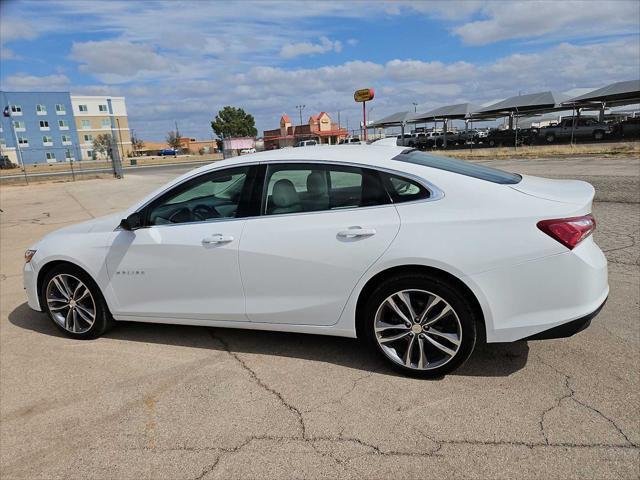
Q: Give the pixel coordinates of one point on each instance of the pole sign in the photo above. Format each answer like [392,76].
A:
[364,95]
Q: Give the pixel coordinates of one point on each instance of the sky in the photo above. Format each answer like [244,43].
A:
[183,61]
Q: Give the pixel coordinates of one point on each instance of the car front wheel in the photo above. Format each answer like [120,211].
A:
[74,303]
[421,325]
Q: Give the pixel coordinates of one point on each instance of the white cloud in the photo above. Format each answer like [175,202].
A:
[24,82]
[292,50]
[543,19]
[114,60]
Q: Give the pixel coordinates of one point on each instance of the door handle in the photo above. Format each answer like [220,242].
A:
[357,232]
[217,239]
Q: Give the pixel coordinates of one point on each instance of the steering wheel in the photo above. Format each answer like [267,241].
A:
[204,212]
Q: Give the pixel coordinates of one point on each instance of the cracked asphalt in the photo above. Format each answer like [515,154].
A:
[160,401]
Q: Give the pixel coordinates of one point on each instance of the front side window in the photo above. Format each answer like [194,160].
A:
[293,188]
[210,196]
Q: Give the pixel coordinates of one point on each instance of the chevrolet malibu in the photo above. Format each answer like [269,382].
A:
[419,255]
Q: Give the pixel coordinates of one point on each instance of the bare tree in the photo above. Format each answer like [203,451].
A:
[137,144]
[102,144]
[173,140]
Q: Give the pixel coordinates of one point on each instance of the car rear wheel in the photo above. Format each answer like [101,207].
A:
[421,325]
[598,135]
[550,138]
[74,303]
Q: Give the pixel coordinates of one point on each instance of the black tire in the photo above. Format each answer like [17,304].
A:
[550,138]
[492,143]
[598,135]
[103,319]
[438,286]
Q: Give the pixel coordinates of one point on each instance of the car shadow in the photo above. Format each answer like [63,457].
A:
[488,360]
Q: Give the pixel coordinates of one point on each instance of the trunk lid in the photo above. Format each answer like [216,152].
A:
[575,192]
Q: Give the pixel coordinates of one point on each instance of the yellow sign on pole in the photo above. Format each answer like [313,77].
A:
[364,95]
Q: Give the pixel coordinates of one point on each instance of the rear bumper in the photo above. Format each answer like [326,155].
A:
[543,295]
[567,329]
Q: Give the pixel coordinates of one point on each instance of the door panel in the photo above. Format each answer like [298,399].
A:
[301,268]
[179,271]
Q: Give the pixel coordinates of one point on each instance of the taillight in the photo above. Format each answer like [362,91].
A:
[569,231]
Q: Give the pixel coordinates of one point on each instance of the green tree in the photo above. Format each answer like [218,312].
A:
[173,140]
[102,145]
[234,122]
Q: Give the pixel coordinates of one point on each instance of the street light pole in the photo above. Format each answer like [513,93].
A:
[300,108]
[415,107]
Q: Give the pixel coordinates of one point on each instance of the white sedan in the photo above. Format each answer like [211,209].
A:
[417,254]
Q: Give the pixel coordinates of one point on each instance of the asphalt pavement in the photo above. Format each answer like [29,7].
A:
[160,401]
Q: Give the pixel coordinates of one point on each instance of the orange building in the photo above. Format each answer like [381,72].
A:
[319,128]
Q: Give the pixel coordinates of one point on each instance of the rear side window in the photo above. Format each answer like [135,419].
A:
[297,188]
[403,189]
[458,166]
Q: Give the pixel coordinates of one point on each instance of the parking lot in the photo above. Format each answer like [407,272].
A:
[149,401]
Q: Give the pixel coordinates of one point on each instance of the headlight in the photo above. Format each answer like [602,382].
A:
[28,255]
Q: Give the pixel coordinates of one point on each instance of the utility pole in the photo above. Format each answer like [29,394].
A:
[415,107]
[300,108]
[338,119]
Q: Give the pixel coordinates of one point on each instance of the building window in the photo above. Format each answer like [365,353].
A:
[41,109]
[66,139]
[90,153]
[63,124]
[19,126]
[16,110]
[60,109]
[86,124]
[102,108]
[50,156]
[83,108]
[88,138]
[68,156]
[24,141]
[3,142]
[44,125]
[106,123]
[47,141]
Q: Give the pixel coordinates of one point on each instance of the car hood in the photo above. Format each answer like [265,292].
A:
[107,223]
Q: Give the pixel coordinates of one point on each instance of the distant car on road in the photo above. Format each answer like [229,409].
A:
[168,152]
[307,143]
[349,140]
[582,128]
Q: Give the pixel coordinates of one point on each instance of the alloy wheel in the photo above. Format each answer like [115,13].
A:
[418,329]
[70,303]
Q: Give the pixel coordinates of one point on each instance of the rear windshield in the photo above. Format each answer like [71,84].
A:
[458,166]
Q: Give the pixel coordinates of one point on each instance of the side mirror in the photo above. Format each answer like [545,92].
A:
[132,222]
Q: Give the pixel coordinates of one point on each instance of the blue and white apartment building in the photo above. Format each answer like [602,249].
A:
[42,127]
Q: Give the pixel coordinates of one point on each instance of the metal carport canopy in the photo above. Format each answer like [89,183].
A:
[541,102]
[394,120]
[615,94]
[458,111]
[398,119]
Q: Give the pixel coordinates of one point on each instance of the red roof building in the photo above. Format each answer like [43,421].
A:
[320,128]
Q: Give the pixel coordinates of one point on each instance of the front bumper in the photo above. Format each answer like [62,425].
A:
[30,282]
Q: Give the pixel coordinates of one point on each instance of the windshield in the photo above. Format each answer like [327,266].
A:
[458,166]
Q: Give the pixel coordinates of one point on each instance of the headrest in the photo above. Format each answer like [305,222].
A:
[284,194]
[317,184]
